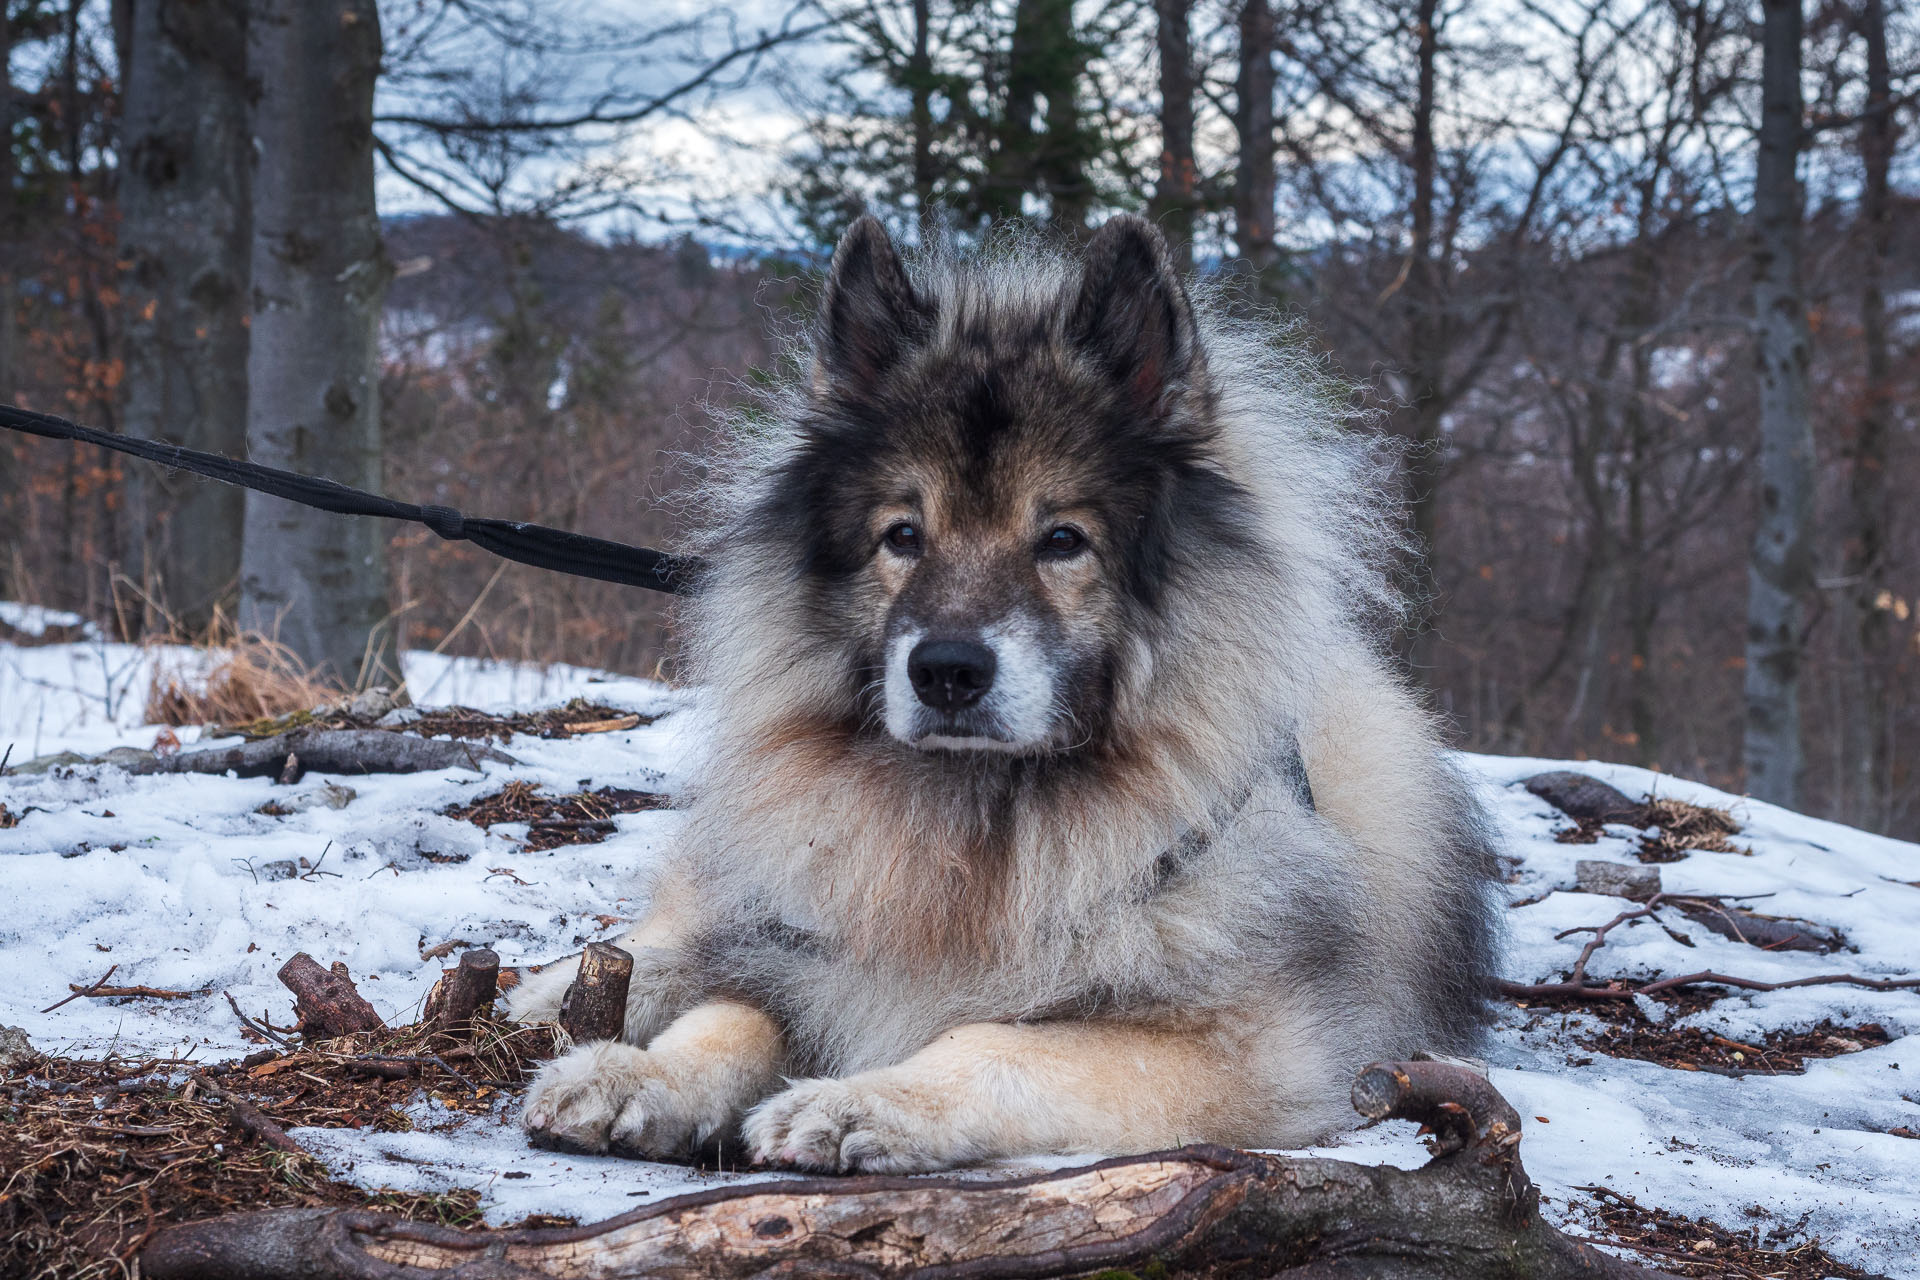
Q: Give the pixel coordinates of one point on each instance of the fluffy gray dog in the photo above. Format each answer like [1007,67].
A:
[1059,794]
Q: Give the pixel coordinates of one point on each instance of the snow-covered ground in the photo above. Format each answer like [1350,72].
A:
[166,878]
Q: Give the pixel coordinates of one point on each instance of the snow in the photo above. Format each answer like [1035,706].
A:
[163,877]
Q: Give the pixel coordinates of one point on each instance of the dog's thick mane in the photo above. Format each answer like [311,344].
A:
[915,854]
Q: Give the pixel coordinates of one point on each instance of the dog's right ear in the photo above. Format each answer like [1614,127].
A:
[1132,314]
[870,316]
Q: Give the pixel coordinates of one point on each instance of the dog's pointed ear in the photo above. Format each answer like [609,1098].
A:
[870,315]
[1132,316]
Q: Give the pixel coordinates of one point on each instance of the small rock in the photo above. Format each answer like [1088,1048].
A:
[1615,879]
[1586,799]
[15,1047]
[280,870]
[371,704]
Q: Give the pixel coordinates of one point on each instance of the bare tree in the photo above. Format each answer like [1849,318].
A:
[1780,566]
[186,228]
[1173,195]
[319,275]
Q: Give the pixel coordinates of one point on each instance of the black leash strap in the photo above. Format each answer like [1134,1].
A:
[534,544]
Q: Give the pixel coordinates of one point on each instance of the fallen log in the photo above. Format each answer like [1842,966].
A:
[595,1004]
[287,756]
[1469,1214]
[325,1001]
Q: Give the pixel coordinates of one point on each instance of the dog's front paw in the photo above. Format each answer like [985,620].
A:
[846,1126]
[614,1097]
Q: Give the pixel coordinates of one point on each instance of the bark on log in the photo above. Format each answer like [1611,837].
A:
[595,1005]
[1470,1214]
[328,751]
[464,991]
[325,1001]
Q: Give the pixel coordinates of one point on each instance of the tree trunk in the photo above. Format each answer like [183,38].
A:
[1780,567]
[315,580]
[920,72]
[1173,201]
[1045,61]
[1421,298]
[1254,181]
[1643,595]
[186,228]
[9,320]
[1865,790]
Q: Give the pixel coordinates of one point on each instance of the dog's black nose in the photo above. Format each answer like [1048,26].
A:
[950,674]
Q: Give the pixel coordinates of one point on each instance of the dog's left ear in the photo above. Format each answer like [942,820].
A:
[870,316]
[1132,315]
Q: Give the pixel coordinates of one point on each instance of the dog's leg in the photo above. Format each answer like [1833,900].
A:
[664,1100]
[992,1090]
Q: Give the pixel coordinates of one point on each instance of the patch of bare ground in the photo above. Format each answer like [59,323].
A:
[97,1155]
[1688,1247]
[1697,1049]
[584,817]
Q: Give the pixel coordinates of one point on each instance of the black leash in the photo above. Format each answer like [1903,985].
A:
[534,544]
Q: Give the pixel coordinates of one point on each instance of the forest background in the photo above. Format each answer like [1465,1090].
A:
[1636,283]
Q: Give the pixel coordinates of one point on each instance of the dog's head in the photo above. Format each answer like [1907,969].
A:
[998,483]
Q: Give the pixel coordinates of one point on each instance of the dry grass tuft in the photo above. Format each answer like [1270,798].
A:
[253,677]
[1685,828]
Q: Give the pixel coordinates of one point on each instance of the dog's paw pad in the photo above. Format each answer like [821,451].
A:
[835,1127]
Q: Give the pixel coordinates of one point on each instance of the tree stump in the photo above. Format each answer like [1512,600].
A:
[595,1005]
[464,991]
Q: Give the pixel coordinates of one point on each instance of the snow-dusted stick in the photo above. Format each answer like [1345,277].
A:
[1469,1214]
[328,751]
[325,1000]
[465,990]
[595,1006]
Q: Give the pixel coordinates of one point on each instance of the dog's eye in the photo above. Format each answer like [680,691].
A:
[904,537]
[1062,542]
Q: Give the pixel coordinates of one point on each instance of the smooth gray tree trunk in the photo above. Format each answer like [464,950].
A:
[318,581]
[1780,567]
[1864,790]
[186,229]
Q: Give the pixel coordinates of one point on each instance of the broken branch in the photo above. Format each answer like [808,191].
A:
[325,1001]
[288,755]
